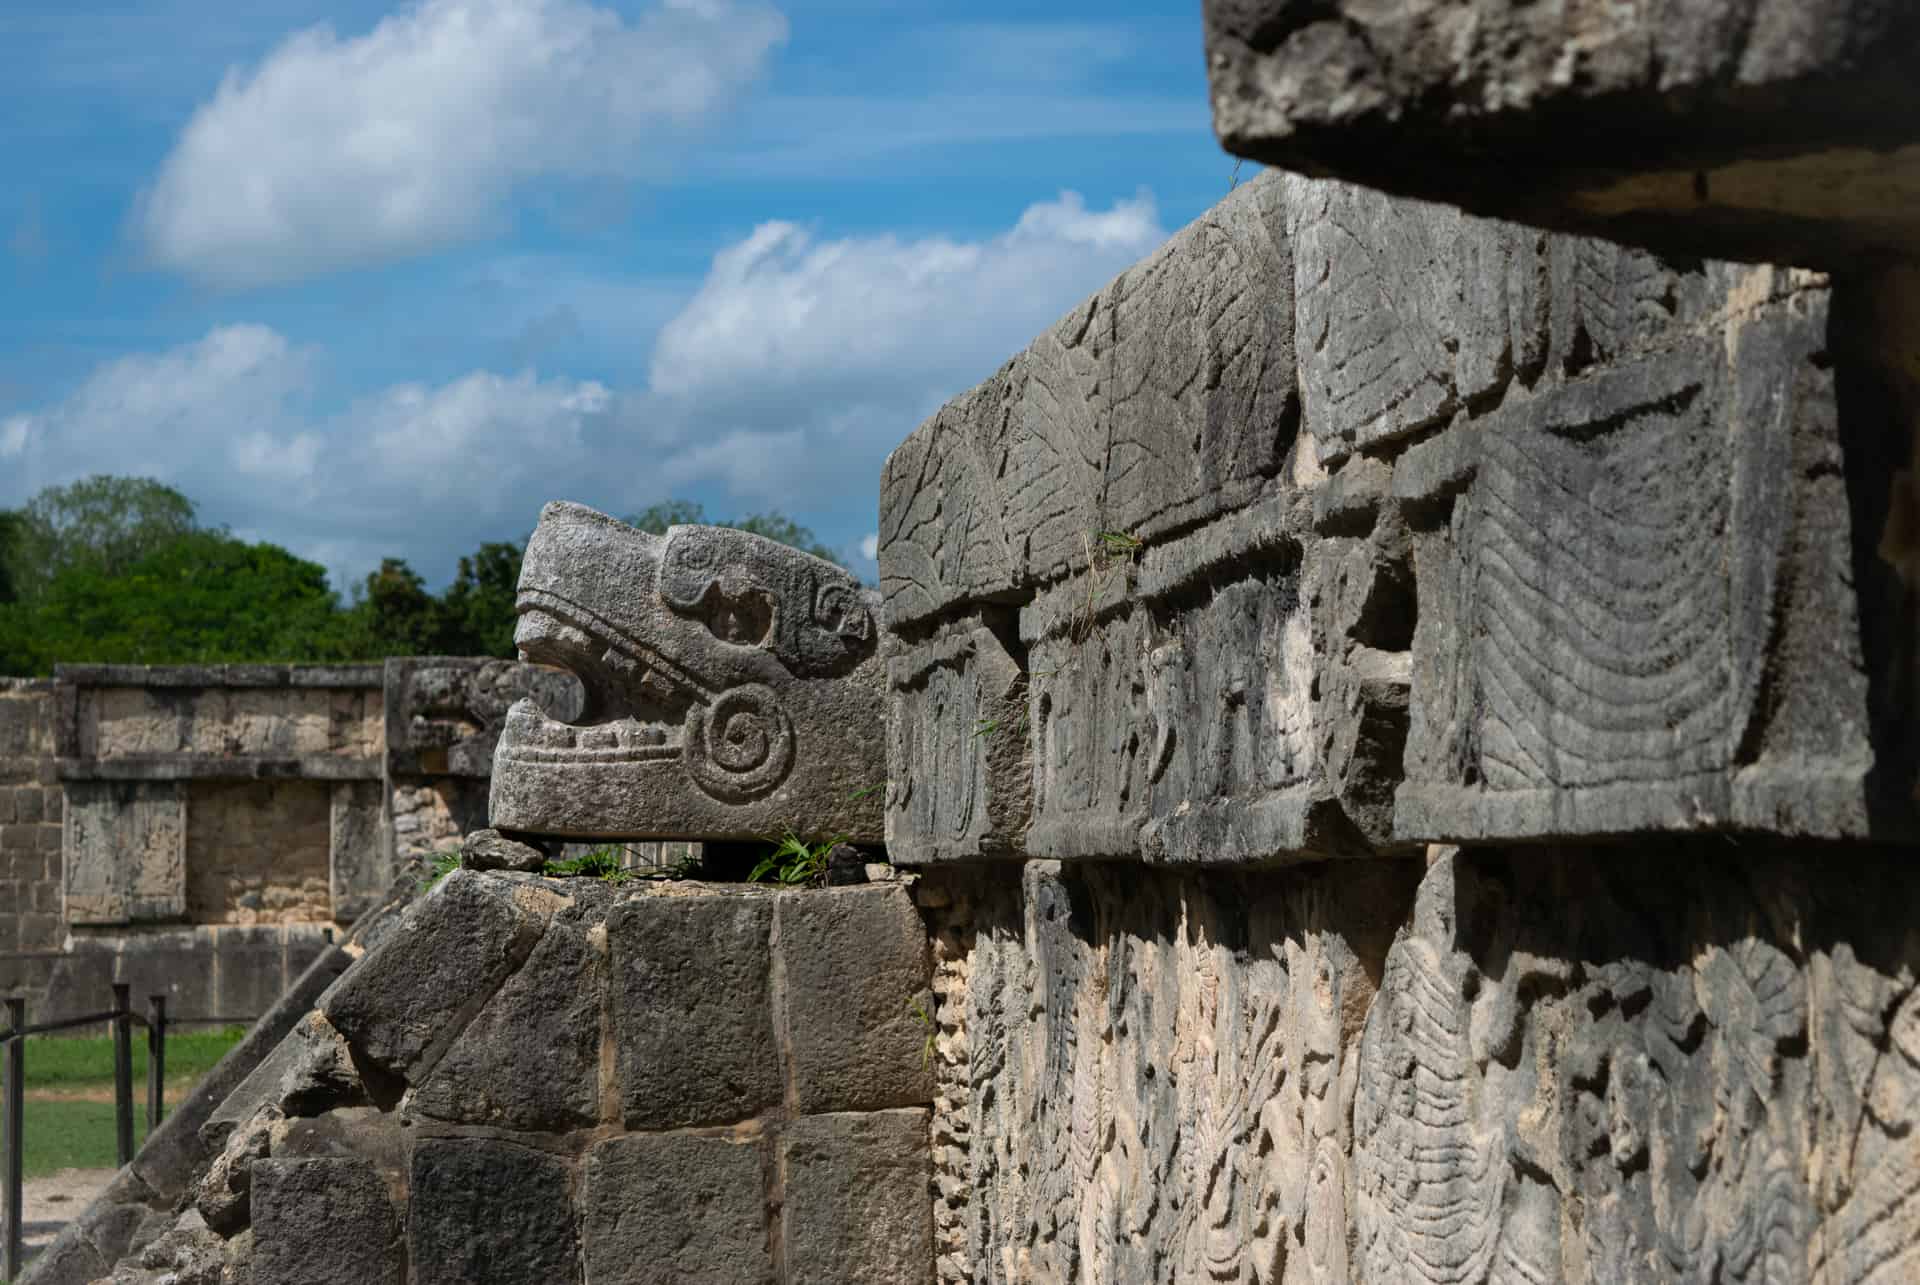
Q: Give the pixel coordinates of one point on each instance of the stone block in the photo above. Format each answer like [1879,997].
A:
[679,1209]
[490,1213]
[854,968]
[857,1209]
[27,807]
[530,1059]
[959,781]
[323,1222]
[1167,398]
[253,969]
[126,859]
[360,864]
[692,1009]
[408,997]
[735,683]
[1741,128]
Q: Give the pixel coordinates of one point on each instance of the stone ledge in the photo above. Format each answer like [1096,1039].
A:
[213,767]
[352,676]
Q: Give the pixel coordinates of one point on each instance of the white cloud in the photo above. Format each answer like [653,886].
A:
[783,382]
[340,152]
[870,545]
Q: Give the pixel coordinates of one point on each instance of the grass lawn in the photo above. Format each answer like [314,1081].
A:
[69,1086]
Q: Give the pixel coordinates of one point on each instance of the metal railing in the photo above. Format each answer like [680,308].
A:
[122,1018]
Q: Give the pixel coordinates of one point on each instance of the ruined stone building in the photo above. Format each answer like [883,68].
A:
[1400,755]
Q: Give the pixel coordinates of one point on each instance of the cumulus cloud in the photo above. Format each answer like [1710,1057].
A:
[339,152]
[783,382]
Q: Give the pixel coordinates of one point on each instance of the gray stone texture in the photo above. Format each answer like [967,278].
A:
[410,996]
[1145,1075]
[679,1209]
[1664,1061]
[126,853]
[490,1213]
[324,1222]
[491,850]
[444,713]
[693,1009]
[733,688]
[1554,538]
[530,1059]
[853,962]
[1782,130]
[856,1210]
[359,849]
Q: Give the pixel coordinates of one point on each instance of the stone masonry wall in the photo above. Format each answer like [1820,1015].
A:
[31,811]
[549,1080]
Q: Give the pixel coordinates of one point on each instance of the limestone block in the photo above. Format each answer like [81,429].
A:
[959,778]
[678,1209]
[323,1222]
[1737,128]
[125,852]
[733,688]
[1166,398]
[1671,1061]
[1145,1075]
[530,1059]
[490,1213]
[692,1009]
[233,825]
[407,998]
[359,849]
[1635,598]
[856,1210]
[854,964]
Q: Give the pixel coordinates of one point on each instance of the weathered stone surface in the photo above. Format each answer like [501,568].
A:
[319,1074]
[854,967]
[491,850]
[490,1213]
[856,1209]
[678,1209]
[444,713]
[409,996]
[1658,1062]
[1733,128]
[692,1009]
[126,853]
[733,688]
[531,1058]
[1145,1075]
[959,783]
[223,1195]
[323,1222]
[360,863]
[1164,399]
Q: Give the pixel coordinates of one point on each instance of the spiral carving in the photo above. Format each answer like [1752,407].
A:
[741,746]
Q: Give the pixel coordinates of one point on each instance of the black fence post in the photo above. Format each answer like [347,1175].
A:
[16,1121]
[156,1060]
[123,1072]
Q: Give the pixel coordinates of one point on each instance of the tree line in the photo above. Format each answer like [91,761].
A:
[120,570]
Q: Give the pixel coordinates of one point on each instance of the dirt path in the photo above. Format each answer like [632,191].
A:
[50,1203]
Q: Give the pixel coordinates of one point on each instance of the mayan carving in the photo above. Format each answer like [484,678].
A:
[732,688]
[1658,1064]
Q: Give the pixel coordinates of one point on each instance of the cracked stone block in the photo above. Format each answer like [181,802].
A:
[491,1213]
[692,1009]
[126,855]
[678,1209]
[409,996]
[323,1222]
[734,683]
[1749,129]
[856,1210]
[854,963]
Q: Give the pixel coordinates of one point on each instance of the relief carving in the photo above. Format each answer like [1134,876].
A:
[732,688]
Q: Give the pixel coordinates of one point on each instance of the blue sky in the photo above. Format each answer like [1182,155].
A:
[371,280]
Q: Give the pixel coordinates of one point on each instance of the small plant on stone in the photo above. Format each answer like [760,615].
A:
[794,861]
[602,863]
[439,866]
[926,1048]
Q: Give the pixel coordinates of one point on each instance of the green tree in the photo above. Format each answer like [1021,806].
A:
[772,524]
[477,608]
[394,615]
[202,597]
[103,523]
[9,532]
